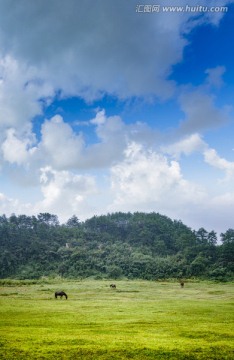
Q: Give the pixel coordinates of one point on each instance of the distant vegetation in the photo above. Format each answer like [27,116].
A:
[120,245]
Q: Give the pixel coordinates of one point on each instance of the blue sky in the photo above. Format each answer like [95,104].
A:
[104,108]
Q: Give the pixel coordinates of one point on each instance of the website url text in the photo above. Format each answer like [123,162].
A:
[195,9]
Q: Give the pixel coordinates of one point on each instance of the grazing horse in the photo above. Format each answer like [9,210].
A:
[61,294]
[113,286]
[181,284]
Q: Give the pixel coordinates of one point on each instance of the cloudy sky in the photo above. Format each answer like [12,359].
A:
[121,105]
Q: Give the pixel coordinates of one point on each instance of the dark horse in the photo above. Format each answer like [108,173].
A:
[61,294]
[113,286]
[181,283]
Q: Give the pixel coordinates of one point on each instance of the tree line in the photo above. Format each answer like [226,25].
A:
[119,245]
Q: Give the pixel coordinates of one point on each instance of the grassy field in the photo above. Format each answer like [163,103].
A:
[137,320]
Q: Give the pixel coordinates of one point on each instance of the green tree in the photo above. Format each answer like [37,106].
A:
[227,237]
[48,219]
[73,222]
[227,250]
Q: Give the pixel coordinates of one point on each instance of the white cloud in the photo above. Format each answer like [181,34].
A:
[17,150]
[187,146]
[66,193]
[60,145]
[147,180]
[100,118]
[194,143]
[89,48]
[114,134]
[144,180]
[62,148]
[62,193]
[212,158]
[20,91]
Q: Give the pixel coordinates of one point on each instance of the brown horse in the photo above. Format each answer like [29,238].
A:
[181,284]
[113,286]
[61,294]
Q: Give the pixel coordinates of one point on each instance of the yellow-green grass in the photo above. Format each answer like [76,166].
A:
[137,320]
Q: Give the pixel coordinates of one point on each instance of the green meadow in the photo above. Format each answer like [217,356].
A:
[137,320]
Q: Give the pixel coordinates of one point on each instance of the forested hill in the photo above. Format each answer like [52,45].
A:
[139,245]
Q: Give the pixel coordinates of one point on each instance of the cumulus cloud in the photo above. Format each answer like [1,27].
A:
[20,91]
[17,150]
[88,48]
[62,193]
[212,158]
[113,136]
[73,36]
[61,146]
[100,118]
[66,193]
[194,143]
[144,180]
[187,145]
[147,180]
[69,48]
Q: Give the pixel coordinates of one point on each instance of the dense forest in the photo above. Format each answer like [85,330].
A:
[120,245]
